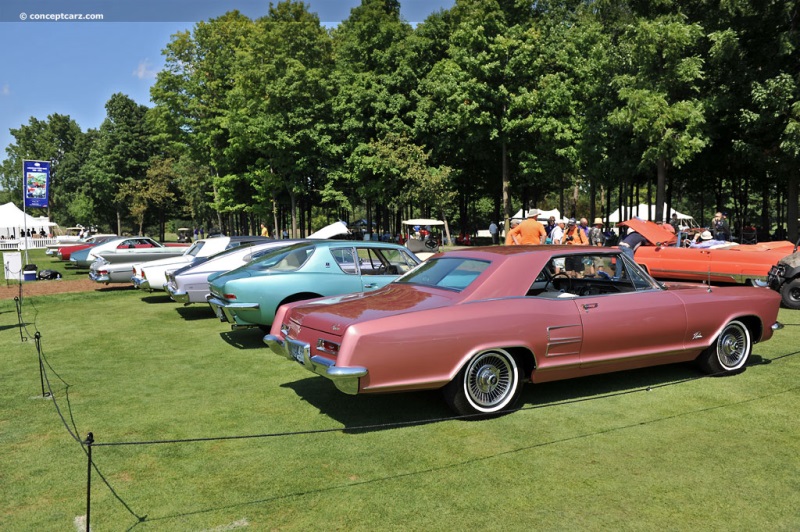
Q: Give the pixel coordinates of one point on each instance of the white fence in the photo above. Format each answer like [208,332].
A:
[20,244]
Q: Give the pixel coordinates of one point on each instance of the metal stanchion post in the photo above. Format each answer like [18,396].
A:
[89,441]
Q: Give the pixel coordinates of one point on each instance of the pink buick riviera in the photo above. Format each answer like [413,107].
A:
[477,323]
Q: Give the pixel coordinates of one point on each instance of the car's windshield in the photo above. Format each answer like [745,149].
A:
[283,259]
[452,273]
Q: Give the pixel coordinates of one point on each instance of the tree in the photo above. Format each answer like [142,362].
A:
[659,94]
[119,160]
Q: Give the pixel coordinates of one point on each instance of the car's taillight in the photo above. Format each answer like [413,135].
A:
[230,296]
[326,346]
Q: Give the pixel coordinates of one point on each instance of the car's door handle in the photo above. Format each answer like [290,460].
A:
[371,285]
[587,306]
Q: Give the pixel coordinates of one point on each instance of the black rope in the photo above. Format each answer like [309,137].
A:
[399,424]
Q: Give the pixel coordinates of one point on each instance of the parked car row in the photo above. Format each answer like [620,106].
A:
[373,318]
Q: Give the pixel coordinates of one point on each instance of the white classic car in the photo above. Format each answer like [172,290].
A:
[189,284]
[152,275]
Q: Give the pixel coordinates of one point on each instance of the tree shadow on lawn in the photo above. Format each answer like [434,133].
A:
[196,312]
[385,411]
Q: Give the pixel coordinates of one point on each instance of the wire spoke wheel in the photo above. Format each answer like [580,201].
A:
[729,352]
[488,379]
[489,383]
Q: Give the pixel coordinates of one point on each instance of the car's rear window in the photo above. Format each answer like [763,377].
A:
[452,273]
[283,259]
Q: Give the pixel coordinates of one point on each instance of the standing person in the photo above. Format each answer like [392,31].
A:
[530,232]
[551,224]
[673,221]
[557,234]
[513,223]
[631,242]
[720,227]
[264,230]
[596,236]
[493,232]
[574,235]
[585,228]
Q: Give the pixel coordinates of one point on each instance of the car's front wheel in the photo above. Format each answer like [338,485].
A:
[729,352]
[488,384]
[790,294]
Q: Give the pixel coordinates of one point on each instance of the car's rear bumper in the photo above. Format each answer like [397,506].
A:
[141,284]
[178,296]
[99,277]
[227,311]
[346,379]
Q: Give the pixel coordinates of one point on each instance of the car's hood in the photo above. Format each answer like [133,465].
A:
[654,233]
[334,314]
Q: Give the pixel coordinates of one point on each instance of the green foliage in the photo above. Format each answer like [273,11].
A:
[521,102]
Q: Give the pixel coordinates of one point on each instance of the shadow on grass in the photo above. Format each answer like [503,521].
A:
[245,339]
[115,288]
[157,298]
[354,411]
[9,327]
[196,312]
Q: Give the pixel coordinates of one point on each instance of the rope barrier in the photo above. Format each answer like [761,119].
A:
[89,442]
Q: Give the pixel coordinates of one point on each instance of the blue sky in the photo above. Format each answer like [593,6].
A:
[73,68]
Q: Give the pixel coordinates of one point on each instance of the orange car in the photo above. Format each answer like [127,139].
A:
[664,258]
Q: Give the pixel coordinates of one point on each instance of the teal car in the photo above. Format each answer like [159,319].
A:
[250,295]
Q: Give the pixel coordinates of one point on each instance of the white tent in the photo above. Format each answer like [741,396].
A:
[641,211]
[542,216]
[12,220]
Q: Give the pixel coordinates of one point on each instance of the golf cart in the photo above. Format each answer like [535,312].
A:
[421,235]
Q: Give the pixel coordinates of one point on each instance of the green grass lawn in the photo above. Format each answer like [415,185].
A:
[600,453]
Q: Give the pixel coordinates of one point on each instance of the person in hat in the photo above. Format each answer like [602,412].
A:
[596,236]
[530,232]
[574,235]
[706,240]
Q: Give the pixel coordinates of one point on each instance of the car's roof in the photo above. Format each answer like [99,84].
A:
[500,252]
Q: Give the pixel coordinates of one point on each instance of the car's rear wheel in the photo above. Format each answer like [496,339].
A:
[488,384]
[790,294]
[729,352]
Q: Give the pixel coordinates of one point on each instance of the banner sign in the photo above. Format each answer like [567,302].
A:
[36,181]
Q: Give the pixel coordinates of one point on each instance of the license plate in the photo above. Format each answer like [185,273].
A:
[297,352]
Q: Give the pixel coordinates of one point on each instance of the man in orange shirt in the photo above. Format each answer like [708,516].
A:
[574,235]
[530,232]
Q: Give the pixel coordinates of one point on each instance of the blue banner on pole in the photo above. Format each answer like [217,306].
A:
[36,180]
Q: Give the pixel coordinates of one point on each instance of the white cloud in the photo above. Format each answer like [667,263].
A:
[144,70]
[5,90]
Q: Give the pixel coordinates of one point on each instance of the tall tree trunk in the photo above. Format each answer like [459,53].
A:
[791,207]
[661,187]
[506,186]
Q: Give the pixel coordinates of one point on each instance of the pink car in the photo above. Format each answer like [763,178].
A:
[478,323]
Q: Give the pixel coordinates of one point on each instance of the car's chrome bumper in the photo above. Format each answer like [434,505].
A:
[346,379]
[226,311]
[141,284]
[178,296]
[98,278]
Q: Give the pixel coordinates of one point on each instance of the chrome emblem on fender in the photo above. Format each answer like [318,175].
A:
[336,328]
[697,335]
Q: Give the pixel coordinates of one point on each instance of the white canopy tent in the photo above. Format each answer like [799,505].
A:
[13,220]
[542,216]
[641,211]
